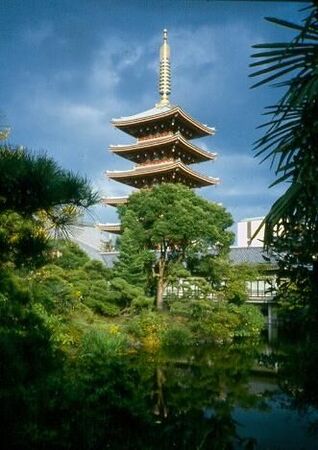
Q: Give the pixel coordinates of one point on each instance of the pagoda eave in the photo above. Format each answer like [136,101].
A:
[174,145]
[114,201]
[174,172]
[114,228]
[134,125]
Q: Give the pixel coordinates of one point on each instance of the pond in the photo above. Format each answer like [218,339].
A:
[253,396]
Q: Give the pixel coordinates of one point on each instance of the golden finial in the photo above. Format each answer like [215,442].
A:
[164,77]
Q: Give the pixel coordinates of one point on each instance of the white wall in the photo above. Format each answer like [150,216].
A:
[246,229]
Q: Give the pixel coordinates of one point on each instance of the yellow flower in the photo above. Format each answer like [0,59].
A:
[114,329]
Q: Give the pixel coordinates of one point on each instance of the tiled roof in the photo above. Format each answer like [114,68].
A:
[88,241]
[157,113]
[152,143]
[161,167]
[149,112]
[251,255]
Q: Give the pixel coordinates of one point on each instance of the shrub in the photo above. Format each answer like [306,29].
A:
[100,343]
[52,290]
[177,336]
[102,307]
[72,257]
[193,309]
[219,321]
[141,303]
[251,321]
[147,323]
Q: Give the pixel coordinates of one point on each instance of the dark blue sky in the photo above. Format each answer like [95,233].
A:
[69,67]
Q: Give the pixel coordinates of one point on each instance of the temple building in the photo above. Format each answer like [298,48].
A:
[163,151]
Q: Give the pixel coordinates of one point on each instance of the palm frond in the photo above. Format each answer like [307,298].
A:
[291,133]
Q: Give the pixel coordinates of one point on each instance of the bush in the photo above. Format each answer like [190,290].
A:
[50,288]
[100,343]
[141,303]
[219,321]
[147,323]
[251,323]
[176,336]
[102,307]
[70,256]
[148,328]
[192,309]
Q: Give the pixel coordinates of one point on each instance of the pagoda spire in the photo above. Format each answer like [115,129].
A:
[162,152]
[165,76]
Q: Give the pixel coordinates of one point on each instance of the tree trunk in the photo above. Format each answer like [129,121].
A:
[160,284]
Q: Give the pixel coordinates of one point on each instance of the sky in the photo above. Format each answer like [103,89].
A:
[69,67]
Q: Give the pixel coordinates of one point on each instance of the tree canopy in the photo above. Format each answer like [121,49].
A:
[171,221]
[35,195]
[31,182]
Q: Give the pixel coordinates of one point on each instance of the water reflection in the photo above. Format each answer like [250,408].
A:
[239,397]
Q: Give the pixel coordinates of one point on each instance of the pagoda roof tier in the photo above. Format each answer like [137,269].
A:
[114,201]
[160,119]
[167,171]
[114,228]
[171,146]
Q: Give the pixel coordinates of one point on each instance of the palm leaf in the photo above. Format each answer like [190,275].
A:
[285,23]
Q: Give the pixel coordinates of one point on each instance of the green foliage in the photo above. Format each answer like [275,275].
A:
[174,217]
[123,293]
[147,324]
[290,141]
[177,336]
[69,255]
[102,307]
[171,220]
[134,261]
[98,344]
[50,288]
[251,321]
[219,321]
[195,310]
[61,335]
[96,270]
[293,308]
[62,289]
[25,346]
[22,240]
[31,183]
[234,289]
[34,189]
[228,280]
[59,349]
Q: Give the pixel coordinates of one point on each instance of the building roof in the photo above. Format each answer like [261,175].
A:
[114,228]
[171,169]
[114,201]
[130,123]
[148,113]
[250,255]
[131,151]
[238,255]
[91,241]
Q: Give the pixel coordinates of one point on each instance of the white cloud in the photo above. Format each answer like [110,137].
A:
[78,125]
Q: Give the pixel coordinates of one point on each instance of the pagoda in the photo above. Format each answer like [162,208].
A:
[162,152]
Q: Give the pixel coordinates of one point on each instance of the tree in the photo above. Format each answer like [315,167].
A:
[36,196]
[173,222]
[30,183]
[134,260]
[291,141]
